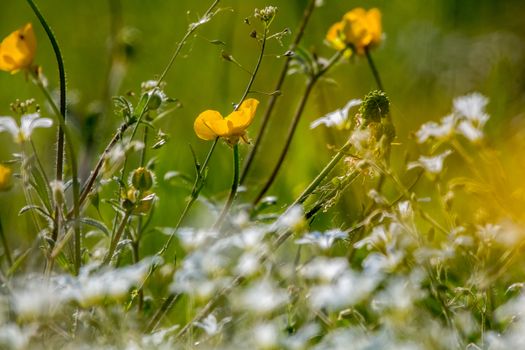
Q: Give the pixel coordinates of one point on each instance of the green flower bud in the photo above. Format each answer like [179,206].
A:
[142,179]
[375,106]
[155,100]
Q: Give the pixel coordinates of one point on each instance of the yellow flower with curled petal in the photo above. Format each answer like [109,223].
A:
[210,124]
[17,50]
[5,178]
[359,29]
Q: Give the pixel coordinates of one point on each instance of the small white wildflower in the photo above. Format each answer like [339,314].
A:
[433,165]
[324,269]
[248,264]
[405,209]
[15,337]
[336,118]
[292,219]
[192,238]
[28,122]
[376,263]
[472,107]
[250,238]
[471,132]
[347,290]
[266,336]
[262,297]
[441,131]
[323,240]
[210,324]
[378,236]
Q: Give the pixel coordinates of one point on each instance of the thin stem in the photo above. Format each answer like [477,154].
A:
[86,190]
[322,175]
[62,79]
[373,67]
[256,69]
[273,99]
[7,251]
[116,238]
[233,191]
[74,170]
[195,191]
[192,28]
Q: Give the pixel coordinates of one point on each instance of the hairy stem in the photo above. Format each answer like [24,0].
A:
[74,170]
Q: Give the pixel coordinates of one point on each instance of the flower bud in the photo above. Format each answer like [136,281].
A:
[142,179]
[155,100]
[375,106]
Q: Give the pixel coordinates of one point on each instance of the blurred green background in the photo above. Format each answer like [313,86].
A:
[434,51]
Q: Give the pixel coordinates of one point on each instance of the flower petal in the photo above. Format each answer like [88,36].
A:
[209,125]
[17,50]
[8,124]
[239,120]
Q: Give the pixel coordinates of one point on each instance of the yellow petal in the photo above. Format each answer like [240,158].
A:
[239,120]
[374,24]
[335,36]
[5,178]
[209,125]
[17,50]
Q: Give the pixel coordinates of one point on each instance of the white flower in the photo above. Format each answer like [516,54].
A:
[210,324]
[433,165]
[472,107]
[322,240]
[347,290]
[28,123]
[471,132]
[266,336]
[262,297]
[325,269]
[293,219]
[440,131]
[336,118]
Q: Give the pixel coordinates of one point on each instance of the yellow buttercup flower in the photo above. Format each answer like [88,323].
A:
[359,29]
[211,124]
[17,50]
[5,178]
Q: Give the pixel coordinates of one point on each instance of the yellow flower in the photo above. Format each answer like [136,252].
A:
[359,29]
[5,178]
[210,124]
[17,50]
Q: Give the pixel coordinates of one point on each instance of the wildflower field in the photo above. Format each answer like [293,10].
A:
[227,174]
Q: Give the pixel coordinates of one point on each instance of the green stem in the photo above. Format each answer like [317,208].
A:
[233,191]
[373,67]
[116,238]
[62,78]
[273,99]
[7,251]
[322,175]
[74,171]
[256,69]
